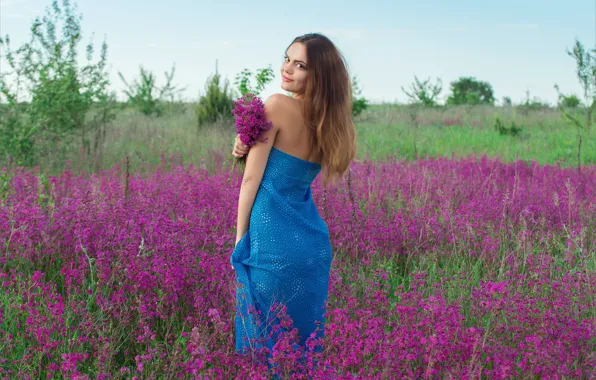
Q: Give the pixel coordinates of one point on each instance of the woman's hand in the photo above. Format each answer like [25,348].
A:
[239,149]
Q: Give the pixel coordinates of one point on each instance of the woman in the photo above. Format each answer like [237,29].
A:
[283,256]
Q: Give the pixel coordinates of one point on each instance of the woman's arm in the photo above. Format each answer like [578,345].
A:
[256,161]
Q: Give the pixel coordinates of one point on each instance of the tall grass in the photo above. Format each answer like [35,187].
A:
[384,132]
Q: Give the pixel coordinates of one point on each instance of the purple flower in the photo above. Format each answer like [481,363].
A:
[251,123]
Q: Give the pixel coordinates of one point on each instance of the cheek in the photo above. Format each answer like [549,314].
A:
[302,79]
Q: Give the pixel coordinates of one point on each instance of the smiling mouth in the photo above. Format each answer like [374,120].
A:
[286,79]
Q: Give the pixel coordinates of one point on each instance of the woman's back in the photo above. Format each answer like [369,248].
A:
[294,136]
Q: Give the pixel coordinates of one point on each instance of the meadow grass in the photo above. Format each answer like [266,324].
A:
[395,132]
[385,132]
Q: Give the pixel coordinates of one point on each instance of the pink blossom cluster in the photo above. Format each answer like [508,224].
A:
[251,123]
[443,268]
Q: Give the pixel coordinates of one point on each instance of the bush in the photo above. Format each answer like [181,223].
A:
[567,101]
[359,104]
[469,90]
[16,137]
[532,104]
[59,92]
[217,103]
[504,130]
[424,93]
[146,96]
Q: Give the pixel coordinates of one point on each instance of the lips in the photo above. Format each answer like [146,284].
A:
[286,79]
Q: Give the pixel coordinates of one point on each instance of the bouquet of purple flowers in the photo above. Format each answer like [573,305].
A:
[249,112]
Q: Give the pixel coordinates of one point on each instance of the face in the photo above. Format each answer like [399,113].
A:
[294,70]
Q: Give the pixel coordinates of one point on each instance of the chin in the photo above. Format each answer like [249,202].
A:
[285,87]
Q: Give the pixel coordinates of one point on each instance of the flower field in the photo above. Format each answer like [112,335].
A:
[443,268]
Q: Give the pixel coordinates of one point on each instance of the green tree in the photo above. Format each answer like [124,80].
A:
[262,77]
[585,61]
[469,90]
[217,103]
[359,103]
[45,72]
[144,94]
[424,93]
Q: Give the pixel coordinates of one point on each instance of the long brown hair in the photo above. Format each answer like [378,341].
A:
[328,106]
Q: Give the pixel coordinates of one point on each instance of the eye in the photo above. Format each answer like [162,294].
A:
[299,65]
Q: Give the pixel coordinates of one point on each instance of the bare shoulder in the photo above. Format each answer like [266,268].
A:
[279,107]
[280,100]
[277,100]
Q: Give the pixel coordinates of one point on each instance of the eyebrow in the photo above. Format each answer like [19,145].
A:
[297,60]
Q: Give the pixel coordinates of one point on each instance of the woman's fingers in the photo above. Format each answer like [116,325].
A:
[238,152]
[239,149]
[235,151]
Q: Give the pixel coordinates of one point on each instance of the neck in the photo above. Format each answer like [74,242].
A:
[297,96]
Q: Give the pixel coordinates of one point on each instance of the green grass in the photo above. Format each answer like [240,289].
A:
[387,132]
[384,132]
[544,146]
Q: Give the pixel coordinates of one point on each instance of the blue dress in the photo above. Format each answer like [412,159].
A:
[284,258]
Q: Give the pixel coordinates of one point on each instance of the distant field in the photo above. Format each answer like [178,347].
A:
[384,132]
[389,131]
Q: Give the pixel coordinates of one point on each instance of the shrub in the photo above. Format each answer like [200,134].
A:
[424,93]
[532,104]
[217,103]
[59,92]
[504,130]
[469,90]
[359,103]
[569,101]
[146,96]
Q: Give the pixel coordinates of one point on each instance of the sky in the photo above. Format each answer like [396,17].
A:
[516,46]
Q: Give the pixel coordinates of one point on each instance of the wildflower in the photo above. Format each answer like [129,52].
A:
[251,123]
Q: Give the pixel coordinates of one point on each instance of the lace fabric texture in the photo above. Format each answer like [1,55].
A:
[284,258]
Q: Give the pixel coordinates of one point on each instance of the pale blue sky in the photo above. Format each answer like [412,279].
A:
[515,45]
